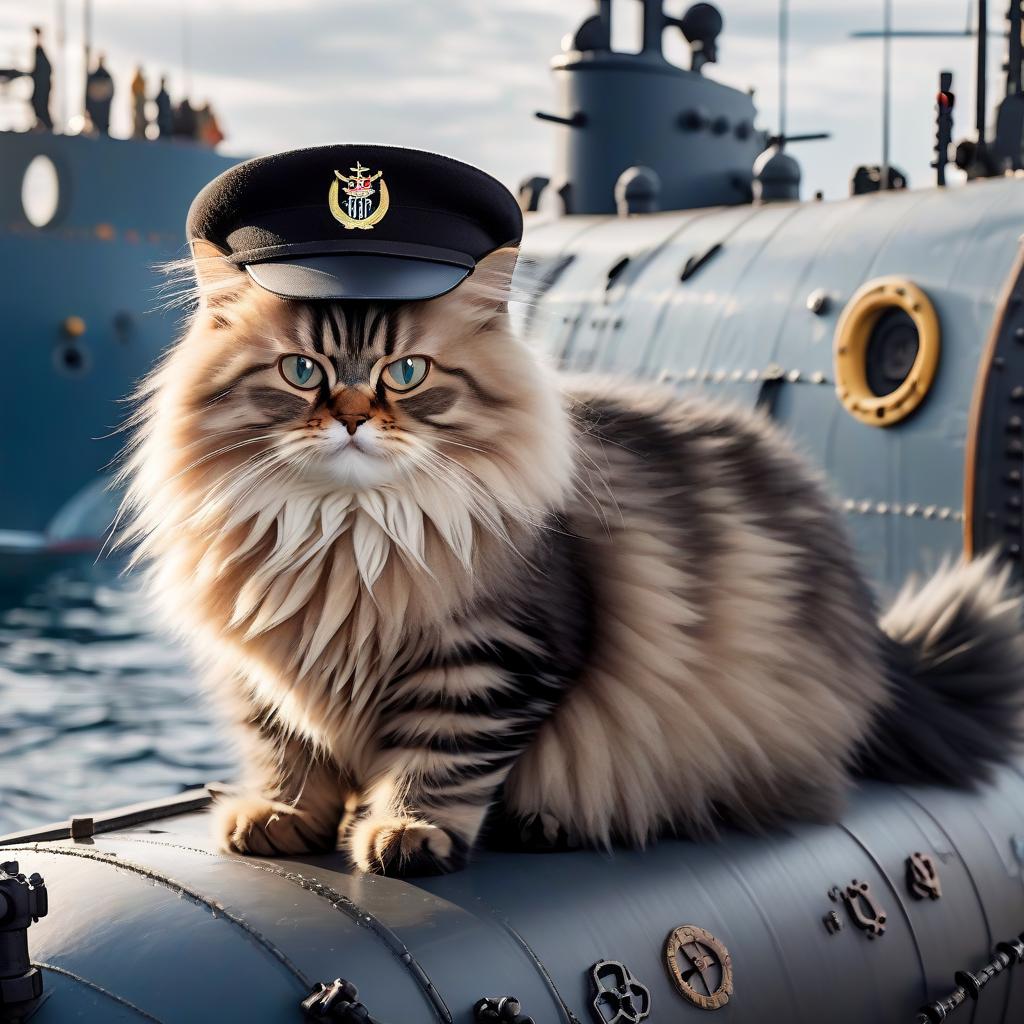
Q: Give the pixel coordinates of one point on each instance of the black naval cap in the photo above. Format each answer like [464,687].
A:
[356,222]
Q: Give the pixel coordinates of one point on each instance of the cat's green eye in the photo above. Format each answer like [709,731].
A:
[301,372]
[405,374]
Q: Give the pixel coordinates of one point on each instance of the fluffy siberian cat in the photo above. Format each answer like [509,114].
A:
[431,588]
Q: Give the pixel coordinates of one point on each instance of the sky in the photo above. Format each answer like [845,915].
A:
[465,76]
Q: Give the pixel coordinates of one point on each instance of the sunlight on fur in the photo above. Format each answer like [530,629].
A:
[593,608]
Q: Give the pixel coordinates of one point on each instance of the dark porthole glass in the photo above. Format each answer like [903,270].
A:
[891,352]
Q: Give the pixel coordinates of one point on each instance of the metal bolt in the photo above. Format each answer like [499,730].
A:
[818,301]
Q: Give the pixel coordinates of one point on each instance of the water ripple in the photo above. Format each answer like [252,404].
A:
[96,710]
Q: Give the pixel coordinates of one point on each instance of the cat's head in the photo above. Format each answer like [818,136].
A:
[266,397]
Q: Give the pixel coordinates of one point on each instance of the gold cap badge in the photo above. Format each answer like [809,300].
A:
[366,197]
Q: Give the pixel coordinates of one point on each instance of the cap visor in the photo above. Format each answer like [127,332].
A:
[357,276]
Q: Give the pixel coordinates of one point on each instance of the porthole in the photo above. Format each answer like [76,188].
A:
[40,192]
[886,351]
[71,358]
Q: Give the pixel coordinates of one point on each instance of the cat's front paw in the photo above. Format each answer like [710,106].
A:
[264,828]
[405,849]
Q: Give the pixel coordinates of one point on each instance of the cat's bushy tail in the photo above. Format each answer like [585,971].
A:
[954,649]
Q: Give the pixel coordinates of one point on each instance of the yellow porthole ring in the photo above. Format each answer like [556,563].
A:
[850,349]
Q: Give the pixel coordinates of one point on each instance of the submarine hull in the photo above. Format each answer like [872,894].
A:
[148,921]
[746,303]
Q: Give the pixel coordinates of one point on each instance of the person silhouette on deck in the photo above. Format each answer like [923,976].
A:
[164,111]
[99,93]
[42,81]
[185,122]
[139,119]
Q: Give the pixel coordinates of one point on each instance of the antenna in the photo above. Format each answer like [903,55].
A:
[87,44]
[779,141]
[981,69]
[654,24]
[62,59]
[783,63]
[186,54]
[980,29]
[1015,55]
[886,89]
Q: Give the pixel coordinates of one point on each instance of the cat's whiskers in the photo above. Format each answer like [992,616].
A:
[461,444]
[586,491]
[218,451]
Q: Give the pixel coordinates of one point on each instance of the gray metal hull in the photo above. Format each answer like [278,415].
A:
[742,319]
[148,914]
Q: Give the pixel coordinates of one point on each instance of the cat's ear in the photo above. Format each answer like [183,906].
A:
[216,276]
[484,296]
[491,280]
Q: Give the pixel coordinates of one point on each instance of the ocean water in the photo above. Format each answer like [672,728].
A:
[96,708]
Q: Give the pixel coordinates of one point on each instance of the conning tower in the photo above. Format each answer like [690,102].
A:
[617,111]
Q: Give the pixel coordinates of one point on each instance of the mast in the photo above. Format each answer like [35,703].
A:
[61,61]
[886,90]
[1015,53]
[783,63]
[982,67]
[186,49]
[654,24]
[87,44]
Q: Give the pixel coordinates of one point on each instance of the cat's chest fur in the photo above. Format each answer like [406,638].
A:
[328,611]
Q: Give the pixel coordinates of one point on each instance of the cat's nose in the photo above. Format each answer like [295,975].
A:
[352,420]
[352,407]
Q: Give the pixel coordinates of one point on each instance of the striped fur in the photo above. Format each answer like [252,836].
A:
[597,611]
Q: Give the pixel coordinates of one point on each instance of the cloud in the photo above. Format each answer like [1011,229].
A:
[466,76]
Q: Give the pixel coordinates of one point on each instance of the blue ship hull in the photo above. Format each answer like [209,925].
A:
[118,218]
